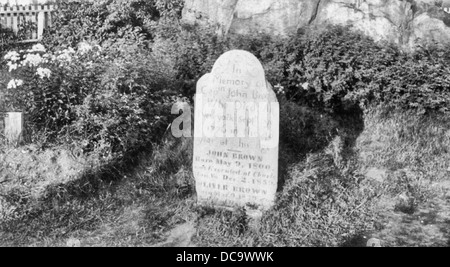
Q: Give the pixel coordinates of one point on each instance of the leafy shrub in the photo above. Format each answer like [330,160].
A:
[190,50]
[332,68]
[343,69]
[418,81]
[118,123]
[170,9]
[92,21]
[336,63]
[7,39]
[108,21]
[133,107]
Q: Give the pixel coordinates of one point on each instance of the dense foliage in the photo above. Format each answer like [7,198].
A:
[107,21]
[6,38]
[344,68]
[334,68]
[95,80]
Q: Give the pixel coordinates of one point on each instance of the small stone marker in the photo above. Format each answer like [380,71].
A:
[374,243]
[13,127]
[236,135]
[73,243]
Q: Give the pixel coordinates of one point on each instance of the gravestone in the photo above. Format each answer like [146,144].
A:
[13,127]
[236,135]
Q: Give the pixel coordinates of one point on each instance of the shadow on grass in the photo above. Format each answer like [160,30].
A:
[81,204]
[159,181]
[305,131]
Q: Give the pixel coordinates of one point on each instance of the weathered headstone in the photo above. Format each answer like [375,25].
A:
[13,127]
[236,135]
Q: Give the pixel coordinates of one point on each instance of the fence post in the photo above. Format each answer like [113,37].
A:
[14,127]
[41,24]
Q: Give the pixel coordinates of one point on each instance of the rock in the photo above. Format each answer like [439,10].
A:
[181,236]
[254,219]
[376,174]
[273,16]
[405,204]
[401,22]
[73,243]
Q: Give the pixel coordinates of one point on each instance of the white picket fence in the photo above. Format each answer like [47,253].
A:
[40,15]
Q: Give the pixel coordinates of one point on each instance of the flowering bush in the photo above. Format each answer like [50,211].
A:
[114,99]
[47,86]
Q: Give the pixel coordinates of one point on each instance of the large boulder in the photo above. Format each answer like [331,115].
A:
[399,21]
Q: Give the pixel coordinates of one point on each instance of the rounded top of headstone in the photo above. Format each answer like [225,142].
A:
[239,63]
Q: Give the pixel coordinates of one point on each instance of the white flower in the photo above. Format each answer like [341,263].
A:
[32,60]
[13,84]
[305,86]
[43,73]
[279,89]
[66,55]
[38,48]
[12,66]
[84,48]
[12,56]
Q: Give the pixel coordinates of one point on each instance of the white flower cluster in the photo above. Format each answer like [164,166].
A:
[65,56]
[43,73]
[12,66]
[305,86]
[37,48]
[13,84]
[33,60]
[37,55]
[84,48]
[279,89]
[12,56]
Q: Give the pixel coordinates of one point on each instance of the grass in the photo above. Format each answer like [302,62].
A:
[325,198]
[116,205]
[414,152]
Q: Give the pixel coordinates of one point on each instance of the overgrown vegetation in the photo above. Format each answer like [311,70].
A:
[101,86]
